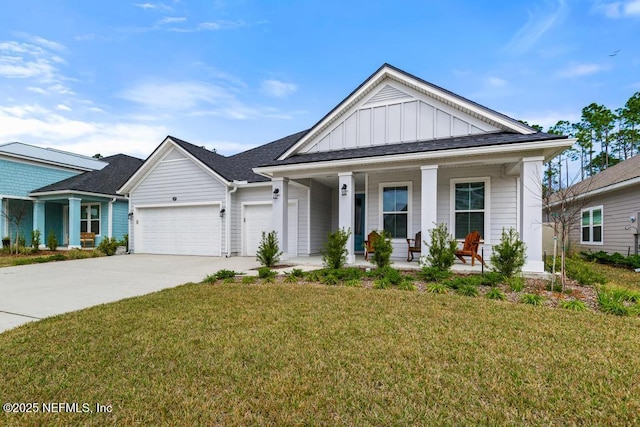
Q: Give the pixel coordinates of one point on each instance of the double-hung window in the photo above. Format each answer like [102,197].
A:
[395,209]
[591,226]
[90,218]
[469,207]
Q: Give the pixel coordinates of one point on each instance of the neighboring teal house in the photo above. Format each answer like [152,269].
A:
[51,190]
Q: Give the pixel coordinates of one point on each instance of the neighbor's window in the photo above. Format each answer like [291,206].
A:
[592,226]
[469,208]
[395,209]
[90,218]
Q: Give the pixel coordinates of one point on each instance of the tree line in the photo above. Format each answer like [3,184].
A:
[604,138]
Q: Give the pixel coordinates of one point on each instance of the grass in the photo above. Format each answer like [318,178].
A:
[8,260]
[284,354]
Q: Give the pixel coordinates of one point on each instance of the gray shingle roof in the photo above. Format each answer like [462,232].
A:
[107,181]
[623,171]
[470,141]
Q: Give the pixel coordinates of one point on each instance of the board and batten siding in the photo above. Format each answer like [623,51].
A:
[617,207]
[502,208]
[394,114]
[263,194]
[177,176]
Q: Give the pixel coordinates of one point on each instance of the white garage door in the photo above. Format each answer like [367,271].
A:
[257,218]
[178,230]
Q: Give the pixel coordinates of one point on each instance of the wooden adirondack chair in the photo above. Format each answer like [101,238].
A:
[470,248]
[416,246]
[369,243]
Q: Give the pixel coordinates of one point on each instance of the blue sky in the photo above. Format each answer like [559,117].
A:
[109,77]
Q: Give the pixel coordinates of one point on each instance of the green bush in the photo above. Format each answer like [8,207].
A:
[290,278]
[266,272]
[353,283]
[574,305]
[248,280]
[463,281]
[330,279]
[433,274]
[516,283]
[225,274]
[497,294]
[442,248]
[407,285]
[392,275]
[616,259]
[35,239]
[210,279]
[437,288]
[381,284]
[268,253]
[583,272]
[297,272]
[491,278]
[382,247]
[52,241]
[334,251]
[532,299]
[467,290]
[108,246]
[508,257]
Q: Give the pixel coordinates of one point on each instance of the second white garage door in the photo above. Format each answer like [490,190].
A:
[178,230]
[258,218]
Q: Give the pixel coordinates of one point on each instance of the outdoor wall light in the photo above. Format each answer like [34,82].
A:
[276,193]
[632,219]
[130,215]
[174,198]
[222,213]
[344,189]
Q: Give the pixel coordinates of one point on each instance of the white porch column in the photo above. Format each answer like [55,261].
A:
[428,202]
[347,209]
[280,193]
[531,212]
[74,222]
[38,220]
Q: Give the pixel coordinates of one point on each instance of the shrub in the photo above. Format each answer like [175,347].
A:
[266,272]
[268,253]
[574,305]
[533,299]
[491,278]
[313,276]
[52,241]
[497,294]
[210,279]
[334,251]
[330,279]
[407,285]
[382,250]
[225,274]
[381,284]
[348,273]
[442,248]
[516,284]
[290,278]
[297,272]
[35,238]
[437,288]
[508,256]
[433,274]
[392,275]
[612,301]
[108,246]
[583,272]
[467,290]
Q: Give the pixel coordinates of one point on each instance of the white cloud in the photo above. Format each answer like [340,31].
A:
[175,95]
[548,118]
[172,20]
[539,23]
[28,61]
[277,88]
[63,107]
[221,25]
[496,82]
[618,9]
[579,70]
[154,6]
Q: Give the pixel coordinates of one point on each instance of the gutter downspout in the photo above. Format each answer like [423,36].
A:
[234,188]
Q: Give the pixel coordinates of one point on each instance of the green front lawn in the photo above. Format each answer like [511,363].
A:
[284,354]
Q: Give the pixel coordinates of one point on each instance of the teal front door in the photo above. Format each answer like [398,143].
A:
[358,232]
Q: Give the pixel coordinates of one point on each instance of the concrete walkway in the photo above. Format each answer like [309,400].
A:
[33,292]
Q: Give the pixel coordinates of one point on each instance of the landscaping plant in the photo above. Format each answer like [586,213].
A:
[52,241]
[269,252]
[108,245]
[334,251]
[508,256]
[35,238]
[442,248]
[382,247]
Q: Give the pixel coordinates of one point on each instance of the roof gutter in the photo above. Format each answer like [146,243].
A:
[227,206]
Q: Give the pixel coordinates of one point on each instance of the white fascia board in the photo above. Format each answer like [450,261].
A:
[268,171]
[7,196]
[612,187]
[76,193]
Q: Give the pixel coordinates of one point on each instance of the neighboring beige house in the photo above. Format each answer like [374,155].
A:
[398,154]
[609,204]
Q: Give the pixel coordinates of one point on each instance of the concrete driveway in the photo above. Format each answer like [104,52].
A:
[32,292]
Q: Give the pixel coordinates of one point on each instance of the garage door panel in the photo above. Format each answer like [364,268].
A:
[183,230]
[258,219]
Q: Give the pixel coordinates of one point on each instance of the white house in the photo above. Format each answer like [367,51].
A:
[398,153]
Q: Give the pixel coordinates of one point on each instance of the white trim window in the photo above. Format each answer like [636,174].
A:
[591,226]
[395,209]
[470,207]
[90,218]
